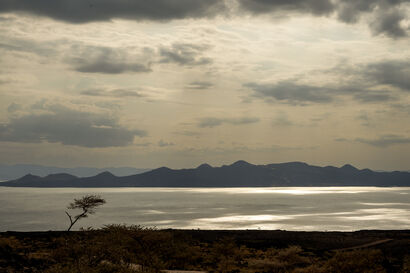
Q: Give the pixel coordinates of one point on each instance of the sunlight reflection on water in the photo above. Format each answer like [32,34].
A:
[298,208]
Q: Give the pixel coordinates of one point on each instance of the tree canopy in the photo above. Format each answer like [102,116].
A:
[87,204]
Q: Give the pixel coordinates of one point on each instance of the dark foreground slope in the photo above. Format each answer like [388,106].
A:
[239,174]
[135,249]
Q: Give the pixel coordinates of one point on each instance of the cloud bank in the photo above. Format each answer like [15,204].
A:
[68,127]
[79,11]
[383,16]
[387,15]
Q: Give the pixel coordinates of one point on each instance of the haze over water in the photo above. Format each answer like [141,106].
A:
[313,208]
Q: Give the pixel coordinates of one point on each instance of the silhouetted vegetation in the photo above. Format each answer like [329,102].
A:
[87,204]
[120,248]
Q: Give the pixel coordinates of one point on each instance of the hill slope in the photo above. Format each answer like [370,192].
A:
[239,174]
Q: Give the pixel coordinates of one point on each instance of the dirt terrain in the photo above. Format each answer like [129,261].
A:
[120,248]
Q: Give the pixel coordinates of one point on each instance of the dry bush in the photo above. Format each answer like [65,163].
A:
[356,261]
[283,260]
[406,264]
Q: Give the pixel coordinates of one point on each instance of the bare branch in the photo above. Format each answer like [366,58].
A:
[87,204]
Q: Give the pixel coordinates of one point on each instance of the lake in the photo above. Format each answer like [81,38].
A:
[313,208]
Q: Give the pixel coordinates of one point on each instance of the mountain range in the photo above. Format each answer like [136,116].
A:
[238,174]
[10,172]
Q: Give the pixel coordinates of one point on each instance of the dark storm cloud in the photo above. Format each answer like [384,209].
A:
[69,127]
[291,93]
[82,11]
[213,122]
[317,7]
[200,85]
[392,72]
[385,141]
[387,14]
[184,55]
[389,23]
[116,93]
[350,11]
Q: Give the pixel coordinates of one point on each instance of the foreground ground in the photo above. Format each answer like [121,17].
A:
[136,249]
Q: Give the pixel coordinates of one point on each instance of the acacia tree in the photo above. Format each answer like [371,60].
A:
[87,204]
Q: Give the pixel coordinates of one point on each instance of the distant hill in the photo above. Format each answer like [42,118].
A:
[9,172]
[239,174]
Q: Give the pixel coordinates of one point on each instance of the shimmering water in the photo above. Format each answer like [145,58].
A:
[326,208]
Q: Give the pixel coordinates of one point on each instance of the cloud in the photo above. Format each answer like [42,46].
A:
[341,139]
[366,96]
[364,83]
[200,85]
[282,120]
[108,60]
[13,107]
[184,55]
[291,93]
[317,7]
[115,93]
[7,81]
[210,122]
[387,15]
[107,67]
[364,118]
[391,72]
[385,141]
[162,143]
[144,144]
[69,127]
[402,107]
[389,23]
[45,49]
[213,122]
[79,11]
[188,133]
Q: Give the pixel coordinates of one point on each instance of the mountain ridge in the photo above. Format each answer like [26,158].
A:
[238,174]
[11,172]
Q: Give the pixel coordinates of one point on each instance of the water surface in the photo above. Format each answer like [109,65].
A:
[312,208]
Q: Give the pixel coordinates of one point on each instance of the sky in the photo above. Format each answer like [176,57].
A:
[181,82]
